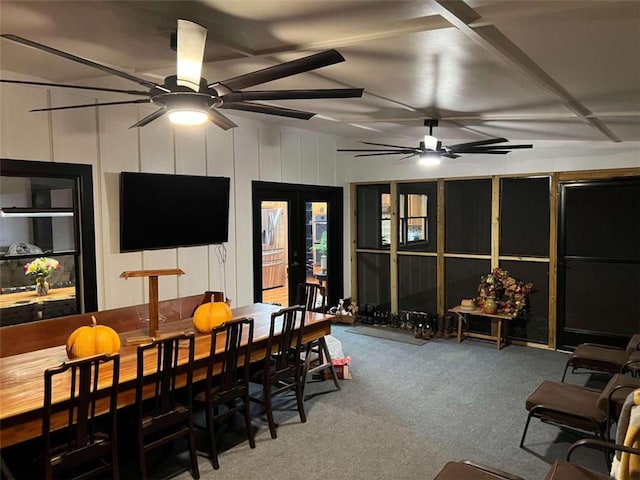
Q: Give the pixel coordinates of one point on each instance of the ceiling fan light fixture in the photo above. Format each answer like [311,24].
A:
[429,159]
[188,117]
[431,142]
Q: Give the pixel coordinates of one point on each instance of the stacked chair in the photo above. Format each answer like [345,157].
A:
[581,408]
[625,447]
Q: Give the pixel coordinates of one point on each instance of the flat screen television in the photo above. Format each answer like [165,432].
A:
[167,211]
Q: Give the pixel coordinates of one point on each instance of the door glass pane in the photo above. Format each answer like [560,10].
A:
[275,241]
[316,241]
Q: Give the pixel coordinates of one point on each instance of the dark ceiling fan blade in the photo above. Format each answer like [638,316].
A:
[477,143]
[190,52]
[220,120]
[81,87]
[268,109]
[409,156]
[477,150]
[505,147]
[387,145]
[71,107]
[382,152]
[301,65]
[292,94]
[150,118]
[399,152]
[84,61]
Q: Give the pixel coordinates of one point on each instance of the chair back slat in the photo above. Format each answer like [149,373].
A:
[312,296]
[285,341]
[83,380]
[167,353]
[233,357]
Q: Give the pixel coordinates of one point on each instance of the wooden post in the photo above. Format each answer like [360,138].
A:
[153,292]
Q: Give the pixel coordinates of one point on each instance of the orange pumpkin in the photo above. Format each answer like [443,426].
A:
[93,340]
[210,315]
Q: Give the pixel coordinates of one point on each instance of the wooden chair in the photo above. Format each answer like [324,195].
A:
[86,449]
[314,298]
[163,418]
[281,370]
[228,378]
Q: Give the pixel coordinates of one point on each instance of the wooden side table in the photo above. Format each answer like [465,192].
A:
[462,314]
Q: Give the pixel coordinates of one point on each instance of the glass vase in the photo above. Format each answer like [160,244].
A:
[42,286]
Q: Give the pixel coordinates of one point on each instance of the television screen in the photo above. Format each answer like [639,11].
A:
[166,211]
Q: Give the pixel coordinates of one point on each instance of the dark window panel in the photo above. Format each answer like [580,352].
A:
[524,217]
[462,276]
[417,284]
[533,326]
[374,280]
[468,216]
[369,215]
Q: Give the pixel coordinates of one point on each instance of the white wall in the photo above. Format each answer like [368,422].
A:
[253,151]
[102,138]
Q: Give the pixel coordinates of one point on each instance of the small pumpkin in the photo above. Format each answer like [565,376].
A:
[210,315]
[93,340]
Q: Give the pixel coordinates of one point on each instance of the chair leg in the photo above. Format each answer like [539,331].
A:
[526,426]
[115,465]
[195,471]
[247,421]
[142,461]
[212,438]
[324,347]
[565,372]
[307,365]
[300,399]
[5,470]
[269,407]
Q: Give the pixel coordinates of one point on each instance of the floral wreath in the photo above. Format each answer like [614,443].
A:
[510,294]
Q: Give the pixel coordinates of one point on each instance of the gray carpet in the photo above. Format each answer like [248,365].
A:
[387,333]
[408,410]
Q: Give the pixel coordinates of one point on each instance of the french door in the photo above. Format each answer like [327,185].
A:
[297,237]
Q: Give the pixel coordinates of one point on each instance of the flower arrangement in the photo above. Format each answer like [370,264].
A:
[41,267]
[510,294]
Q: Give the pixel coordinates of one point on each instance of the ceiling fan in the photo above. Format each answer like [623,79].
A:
[189,99]
[431,149]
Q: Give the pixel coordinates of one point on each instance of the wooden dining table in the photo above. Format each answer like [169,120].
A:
[21,375]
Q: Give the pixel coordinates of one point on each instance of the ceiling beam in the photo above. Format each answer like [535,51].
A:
[495,42]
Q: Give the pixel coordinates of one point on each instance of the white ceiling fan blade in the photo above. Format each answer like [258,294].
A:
[191,41]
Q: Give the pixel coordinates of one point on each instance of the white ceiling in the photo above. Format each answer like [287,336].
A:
[525,70]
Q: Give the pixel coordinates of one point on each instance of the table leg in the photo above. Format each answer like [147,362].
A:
[460,320]
[499,339]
